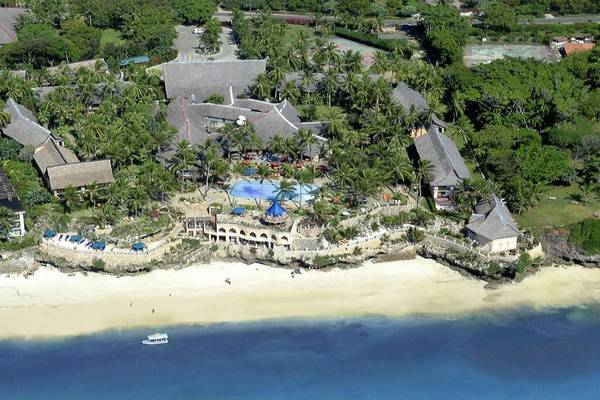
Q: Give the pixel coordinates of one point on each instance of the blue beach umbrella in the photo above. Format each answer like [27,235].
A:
[75,238]
[98,245]
[49,233]
[138,246]
[238,211]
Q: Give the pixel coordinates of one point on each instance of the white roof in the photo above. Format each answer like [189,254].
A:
[158,336]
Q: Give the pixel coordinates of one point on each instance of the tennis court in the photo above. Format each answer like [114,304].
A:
[486,53]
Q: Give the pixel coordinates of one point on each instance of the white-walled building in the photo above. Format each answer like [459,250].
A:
[10,200]
[493,226]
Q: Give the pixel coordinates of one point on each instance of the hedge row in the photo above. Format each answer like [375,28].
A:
[365,38]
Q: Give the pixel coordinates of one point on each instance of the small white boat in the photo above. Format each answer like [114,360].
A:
[157,338]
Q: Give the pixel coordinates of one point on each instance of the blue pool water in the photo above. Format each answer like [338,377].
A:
[553,355]
[267,190]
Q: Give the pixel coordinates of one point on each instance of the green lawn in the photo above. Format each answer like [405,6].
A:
[559,212]
[110,36]
[292,32]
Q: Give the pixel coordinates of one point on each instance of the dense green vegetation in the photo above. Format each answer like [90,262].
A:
[529,123]
[339,8]
[71,30]
[366,137]
[586,235]
[445,33]
[98,116]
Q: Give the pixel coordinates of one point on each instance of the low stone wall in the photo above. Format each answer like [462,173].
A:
[112,260]
[536,252]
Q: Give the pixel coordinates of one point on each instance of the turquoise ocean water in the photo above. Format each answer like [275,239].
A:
[521,355]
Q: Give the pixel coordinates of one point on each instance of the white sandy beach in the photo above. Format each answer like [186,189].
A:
[51,303]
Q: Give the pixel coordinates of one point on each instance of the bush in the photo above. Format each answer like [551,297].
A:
[191,244]
[586,235]
[37,196]
[390,221]
[98,264]
[523,263]
[18,243]
[416,235]
[335,235]
[365,38]
[571,134]
[9,149]
[493,268]
[215,98]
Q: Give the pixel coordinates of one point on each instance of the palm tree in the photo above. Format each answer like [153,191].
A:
[263,171]
[381,62]
[329,84]
[320,212]
[380,91]
[136,200]
[305,139]
[212,163]
[70,198]
[344,176]
[423,172]
[276,145]
[329,54]
[335,122]
[361,95]
[4,115]
[351,61]
[285,190]
[307,79]
[304,177]
[6,221]
[288,170]
[290,91]
[185,159]
[13,88]
[262,86]
[93,194]
[105,215]
[587,188]
[401,168]
[228,132]
[276,74]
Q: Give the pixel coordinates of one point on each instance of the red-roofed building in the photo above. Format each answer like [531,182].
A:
[572,48]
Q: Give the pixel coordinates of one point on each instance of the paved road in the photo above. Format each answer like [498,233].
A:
[186,44]
[566,19]
[225,16]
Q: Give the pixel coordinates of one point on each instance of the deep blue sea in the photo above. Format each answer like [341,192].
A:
[521,355]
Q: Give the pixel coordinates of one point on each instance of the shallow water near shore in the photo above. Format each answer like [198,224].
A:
[520,355]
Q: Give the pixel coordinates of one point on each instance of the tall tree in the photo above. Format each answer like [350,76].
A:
[423,173]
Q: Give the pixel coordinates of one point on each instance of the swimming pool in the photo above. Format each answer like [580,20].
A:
[267,190]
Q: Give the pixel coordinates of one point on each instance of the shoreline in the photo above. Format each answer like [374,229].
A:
[52,304]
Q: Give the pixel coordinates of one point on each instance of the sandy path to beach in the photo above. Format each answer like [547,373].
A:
[54,304]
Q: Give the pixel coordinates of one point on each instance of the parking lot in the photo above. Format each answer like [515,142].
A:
[186,44]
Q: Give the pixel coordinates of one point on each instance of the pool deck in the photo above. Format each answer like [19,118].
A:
[250,189]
